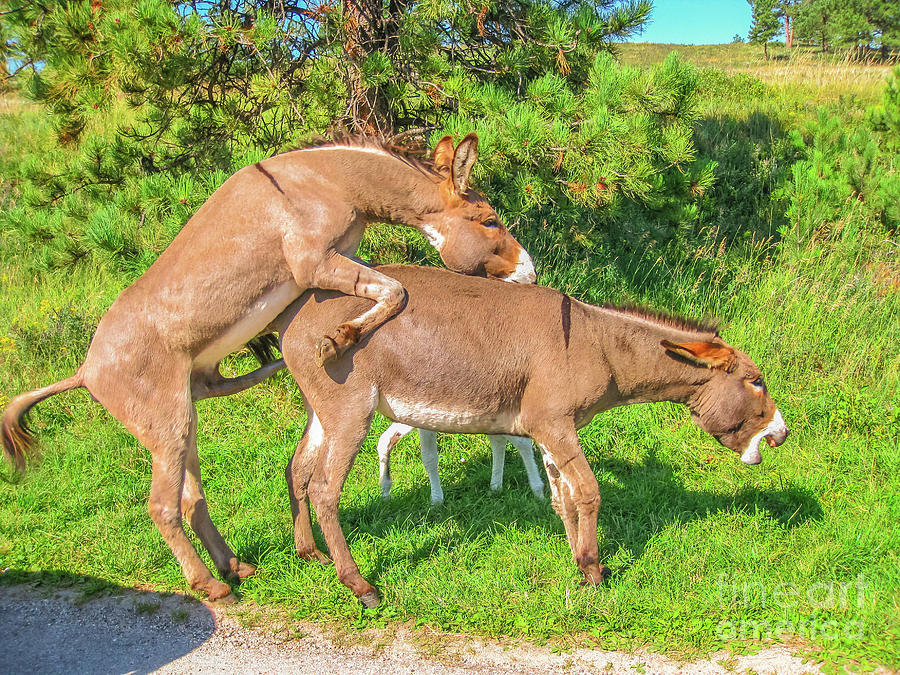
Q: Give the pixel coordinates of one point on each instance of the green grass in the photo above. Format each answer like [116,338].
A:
[706,552]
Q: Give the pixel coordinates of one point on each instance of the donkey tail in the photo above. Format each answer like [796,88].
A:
[17,438]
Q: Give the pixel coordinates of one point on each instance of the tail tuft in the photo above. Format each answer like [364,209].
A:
[263,348]
[18,441]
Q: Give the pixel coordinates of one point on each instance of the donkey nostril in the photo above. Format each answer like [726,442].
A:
[776,439]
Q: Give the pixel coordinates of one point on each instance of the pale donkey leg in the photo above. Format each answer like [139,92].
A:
[429,453]
[429,450]
[526,452]
[386,442]
[498,460]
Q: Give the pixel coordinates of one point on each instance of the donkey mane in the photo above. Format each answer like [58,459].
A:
[706,325]
[415,155]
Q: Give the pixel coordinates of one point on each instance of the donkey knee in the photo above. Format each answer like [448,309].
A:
[164,517]
[323,499]
[393,295]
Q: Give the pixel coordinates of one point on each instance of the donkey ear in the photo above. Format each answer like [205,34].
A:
[705,354]
[463,161]
[443,156]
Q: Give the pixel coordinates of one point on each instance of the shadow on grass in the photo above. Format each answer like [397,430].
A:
[58,622]
[639,501]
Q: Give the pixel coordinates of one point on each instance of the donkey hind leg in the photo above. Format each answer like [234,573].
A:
[299,472]
[386,443]
[526,452]
[164,427]
[338,273]
[343,437]
[428,449]
[498,459]
[576,498]
[195,511]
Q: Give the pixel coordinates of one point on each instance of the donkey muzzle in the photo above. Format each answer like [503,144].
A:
[779,437]
[774,433]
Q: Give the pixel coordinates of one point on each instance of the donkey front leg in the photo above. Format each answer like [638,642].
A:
[526,452]
[498,459]
[576,497]
[429,451]
[344,435]
[342,274]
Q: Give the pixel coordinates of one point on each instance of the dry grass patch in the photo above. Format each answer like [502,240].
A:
[824,78]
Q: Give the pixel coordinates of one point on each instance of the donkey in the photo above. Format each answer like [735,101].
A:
[272,230]
[542,368]
[429,451]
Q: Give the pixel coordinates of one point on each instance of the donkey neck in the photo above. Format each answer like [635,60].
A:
[630,344]
[381,186]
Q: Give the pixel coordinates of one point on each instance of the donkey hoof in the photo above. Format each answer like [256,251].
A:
[315,554]
[597,576]
[244,570]
[326,350]
[216,591]
[370,599]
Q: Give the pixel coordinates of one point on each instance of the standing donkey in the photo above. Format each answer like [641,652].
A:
[271,231]
[542,367]
[429,451]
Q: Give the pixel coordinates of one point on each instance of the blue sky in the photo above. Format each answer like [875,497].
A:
[696,23]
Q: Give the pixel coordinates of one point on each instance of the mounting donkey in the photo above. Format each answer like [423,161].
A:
[273,230]
[503,359]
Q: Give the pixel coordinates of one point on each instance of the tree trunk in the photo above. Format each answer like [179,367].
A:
[788,32]
[766,49]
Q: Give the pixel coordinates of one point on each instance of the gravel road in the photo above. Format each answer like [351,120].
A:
[133,631]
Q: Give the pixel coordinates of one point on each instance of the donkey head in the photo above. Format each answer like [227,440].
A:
[733,405]
[465,230]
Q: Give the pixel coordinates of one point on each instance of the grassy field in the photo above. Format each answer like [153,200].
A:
[807,72]
[706,552]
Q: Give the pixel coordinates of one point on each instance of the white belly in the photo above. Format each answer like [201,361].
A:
[438,418]
[260,315]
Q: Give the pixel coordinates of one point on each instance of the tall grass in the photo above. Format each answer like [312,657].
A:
[808,73]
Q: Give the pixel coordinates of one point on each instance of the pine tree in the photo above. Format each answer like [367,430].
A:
[815,22]
[765,23]
[857,24]
[155,104]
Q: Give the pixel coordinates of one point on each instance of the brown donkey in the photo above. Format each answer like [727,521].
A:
[475,356]
[271,231]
